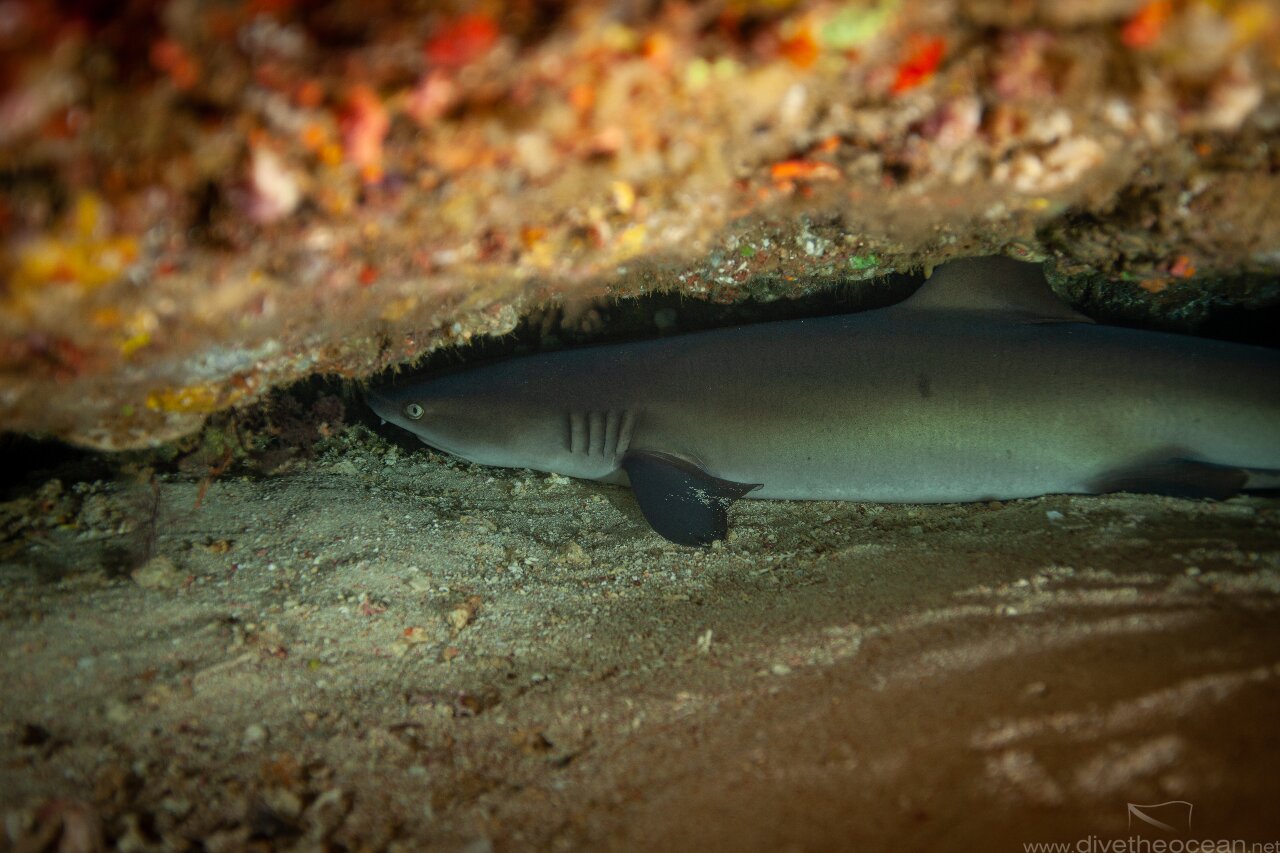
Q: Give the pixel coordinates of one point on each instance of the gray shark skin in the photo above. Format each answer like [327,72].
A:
[981,386]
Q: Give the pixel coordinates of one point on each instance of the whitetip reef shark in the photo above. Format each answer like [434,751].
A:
[983,385]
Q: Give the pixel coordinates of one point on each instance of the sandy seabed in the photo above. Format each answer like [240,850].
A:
[389,650]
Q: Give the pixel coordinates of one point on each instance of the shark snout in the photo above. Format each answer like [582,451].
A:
[382,405]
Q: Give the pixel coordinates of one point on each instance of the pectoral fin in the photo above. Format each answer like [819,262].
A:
[682,502]
[1178,478]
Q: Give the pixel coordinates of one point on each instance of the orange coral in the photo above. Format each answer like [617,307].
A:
[1146,25]
[791,170]
[1182,267]
[801,49]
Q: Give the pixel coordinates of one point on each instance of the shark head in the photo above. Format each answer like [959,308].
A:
[489,416]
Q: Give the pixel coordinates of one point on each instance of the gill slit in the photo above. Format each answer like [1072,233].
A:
[604,433]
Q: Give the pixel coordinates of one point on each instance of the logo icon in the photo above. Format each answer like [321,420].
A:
[1173,816]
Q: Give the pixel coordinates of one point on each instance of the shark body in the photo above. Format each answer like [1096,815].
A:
[982,385]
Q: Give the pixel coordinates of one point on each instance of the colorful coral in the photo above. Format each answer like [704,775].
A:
[181,176]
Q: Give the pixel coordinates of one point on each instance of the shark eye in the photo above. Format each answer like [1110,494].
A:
[412,411]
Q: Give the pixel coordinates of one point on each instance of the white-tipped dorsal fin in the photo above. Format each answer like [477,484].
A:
[993,284]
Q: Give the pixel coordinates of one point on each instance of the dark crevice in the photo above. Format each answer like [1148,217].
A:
[285,429]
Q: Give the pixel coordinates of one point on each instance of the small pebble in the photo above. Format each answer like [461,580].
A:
[462,615]
[118,712]
[157,573]
[575,555]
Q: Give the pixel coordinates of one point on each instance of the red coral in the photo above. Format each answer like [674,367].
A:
[923,60]
[172,58]
[462,41]
[365,122]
